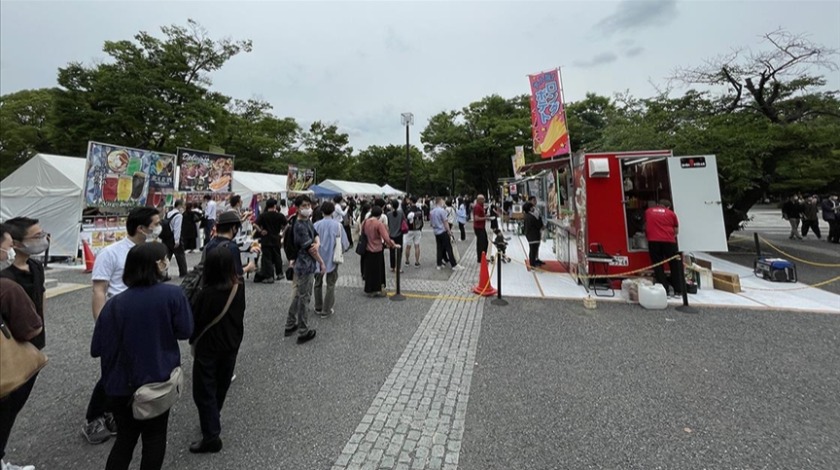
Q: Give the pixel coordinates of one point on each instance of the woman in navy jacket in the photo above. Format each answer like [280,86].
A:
[136,337]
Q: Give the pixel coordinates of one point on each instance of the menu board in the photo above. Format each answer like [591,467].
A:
[126,177]
[100,232]
[204,172]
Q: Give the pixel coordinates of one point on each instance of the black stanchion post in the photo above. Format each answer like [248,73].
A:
[757,245]
[397,297]
[47,256]
[684,308]
[499,300]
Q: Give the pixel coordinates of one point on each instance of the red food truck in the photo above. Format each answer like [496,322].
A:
[597,221]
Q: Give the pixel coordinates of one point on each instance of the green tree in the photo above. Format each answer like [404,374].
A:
[260,141]
[327,150]
[152,93]
[25,127]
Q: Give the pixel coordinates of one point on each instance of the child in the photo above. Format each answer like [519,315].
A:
[501,244]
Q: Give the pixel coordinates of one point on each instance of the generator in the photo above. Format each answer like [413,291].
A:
[775,269]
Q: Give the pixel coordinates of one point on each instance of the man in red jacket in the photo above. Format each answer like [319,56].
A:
[661,228]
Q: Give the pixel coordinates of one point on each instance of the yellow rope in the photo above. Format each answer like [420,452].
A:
[810,263]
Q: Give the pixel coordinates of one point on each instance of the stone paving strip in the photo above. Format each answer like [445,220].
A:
[417,418]
[406,284]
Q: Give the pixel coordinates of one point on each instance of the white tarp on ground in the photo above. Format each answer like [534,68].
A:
[352,187]
[48,188]
[389,190]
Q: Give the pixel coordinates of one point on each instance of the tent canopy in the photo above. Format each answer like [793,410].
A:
[389,190]
[323,193]
[48,188]
[246,184]
[352,187]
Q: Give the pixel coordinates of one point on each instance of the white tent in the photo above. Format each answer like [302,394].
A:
[48,188]
[352,187]
[246,184]
[389,190]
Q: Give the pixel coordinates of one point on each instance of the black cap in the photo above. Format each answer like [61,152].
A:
[271,203]
[229,217]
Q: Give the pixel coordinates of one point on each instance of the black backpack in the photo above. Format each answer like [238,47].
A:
[194,280]
[289,246]
[418,219]
[167,236]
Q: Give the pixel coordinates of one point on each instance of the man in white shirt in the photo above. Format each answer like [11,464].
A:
[176,221]
[339,213]
[209,217]
[143,224]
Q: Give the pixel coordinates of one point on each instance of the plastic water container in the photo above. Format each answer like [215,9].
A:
[653,297]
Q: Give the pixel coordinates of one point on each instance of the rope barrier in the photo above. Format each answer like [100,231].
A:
[810,263]
[606,276]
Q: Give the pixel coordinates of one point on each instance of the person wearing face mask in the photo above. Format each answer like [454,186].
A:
[227,229]
[307,263]
[148,308]
[142,225]
[28,240]
[18,313]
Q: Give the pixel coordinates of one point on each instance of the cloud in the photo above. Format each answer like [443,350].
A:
[394,42]
[639,14]
[634,51]
[600,59]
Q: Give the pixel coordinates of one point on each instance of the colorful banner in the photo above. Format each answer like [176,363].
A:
[100,231]
[125,177]
[299,179]
[548,116]
[204,172]
[518,161]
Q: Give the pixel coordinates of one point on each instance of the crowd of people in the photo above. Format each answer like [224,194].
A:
[129,294]
[806,211]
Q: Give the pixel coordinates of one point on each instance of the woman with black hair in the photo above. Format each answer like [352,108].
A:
[373,262]
[136,337]
[219,328]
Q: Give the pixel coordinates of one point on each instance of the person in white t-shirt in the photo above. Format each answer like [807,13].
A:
[143,224]
[210,210]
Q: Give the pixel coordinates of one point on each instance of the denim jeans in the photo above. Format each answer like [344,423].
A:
[325,302]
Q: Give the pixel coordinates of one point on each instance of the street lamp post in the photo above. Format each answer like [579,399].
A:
[407,121]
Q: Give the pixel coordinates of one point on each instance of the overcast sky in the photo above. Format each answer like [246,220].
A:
[360,64]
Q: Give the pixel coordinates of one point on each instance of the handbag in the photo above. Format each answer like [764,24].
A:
[156,398]
[361,246]
[215,320]
[338,253]
[403,226]
[19,361]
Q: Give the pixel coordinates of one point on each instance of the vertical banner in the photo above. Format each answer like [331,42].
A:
[299,179]
[204,172]
[518,161]
[548,116]
[125,177]
[579,261]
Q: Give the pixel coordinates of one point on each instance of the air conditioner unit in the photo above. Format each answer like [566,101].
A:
[599,168]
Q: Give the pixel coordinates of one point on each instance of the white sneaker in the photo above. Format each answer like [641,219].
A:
[9,466]
[458,267]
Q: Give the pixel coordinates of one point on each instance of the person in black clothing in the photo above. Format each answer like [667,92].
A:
[270,225]
[216,345]
[792,212]
[29,240]
[189,229]
[533,233]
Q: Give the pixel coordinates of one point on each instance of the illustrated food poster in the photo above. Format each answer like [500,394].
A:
[126,177]
[204,172]
[299,179]
[100,232]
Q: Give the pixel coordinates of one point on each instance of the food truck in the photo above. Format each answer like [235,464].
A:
[595,203]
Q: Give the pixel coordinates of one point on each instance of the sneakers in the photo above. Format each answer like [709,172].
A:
[9,466]
[111,424]
[232,378]
[290,330]
[96,432]
[458,267]
[407,263]
[416,265]
[309,335]
[323,314]
[439,267]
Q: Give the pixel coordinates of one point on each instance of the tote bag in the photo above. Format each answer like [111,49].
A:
[338,254]
[19,361]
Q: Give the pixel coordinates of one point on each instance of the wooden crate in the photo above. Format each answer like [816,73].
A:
[726,281]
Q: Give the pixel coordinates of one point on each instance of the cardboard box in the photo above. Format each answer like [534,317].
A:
[726,281]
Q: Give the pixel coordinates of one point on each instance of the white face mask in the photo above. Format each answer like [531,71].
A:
[154,234]
[306,212]
[10,258]
[35,248]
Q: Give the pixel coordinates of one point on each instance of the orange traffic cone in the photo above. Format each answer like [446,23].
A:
[484,288]
[90,258]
